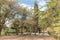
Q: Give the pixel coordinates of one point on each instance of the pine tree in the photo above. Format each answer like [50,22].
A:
[36,17]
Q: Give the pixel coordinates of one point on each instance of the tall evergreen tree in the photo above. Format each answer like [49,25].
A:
[36,17]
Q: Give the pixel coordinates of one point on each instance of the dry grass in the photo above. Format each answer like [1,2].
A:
[26,38]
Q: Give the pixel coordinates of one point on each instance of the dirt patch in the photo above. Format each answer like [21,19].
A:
[26,38]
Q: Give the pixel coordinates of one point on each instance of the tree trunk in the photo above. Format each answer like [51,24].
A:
[0,29]
[17,31]
[0,32]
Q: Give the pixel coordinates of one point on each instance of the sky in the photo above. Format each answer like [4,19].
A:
[30,3]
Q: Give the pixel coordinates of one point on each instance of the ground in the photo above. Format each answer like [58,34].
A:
[27,38]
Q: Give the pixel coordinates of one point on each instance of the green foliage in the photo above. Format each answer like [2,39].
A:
[38,21]
[54,15]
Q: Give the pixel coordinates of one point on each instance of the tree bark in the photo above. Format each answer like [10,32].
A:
[17,31]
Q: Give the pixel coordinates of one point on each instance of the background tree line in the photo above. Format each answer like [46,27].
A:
[23,20]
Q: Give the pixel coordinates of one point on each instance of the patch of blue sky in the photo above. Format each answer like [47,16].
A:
[27,17]
[18,16]
[31,2]
[27,2]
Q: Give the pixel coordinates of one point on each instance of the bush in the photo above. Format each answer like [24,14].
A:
[54,32]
